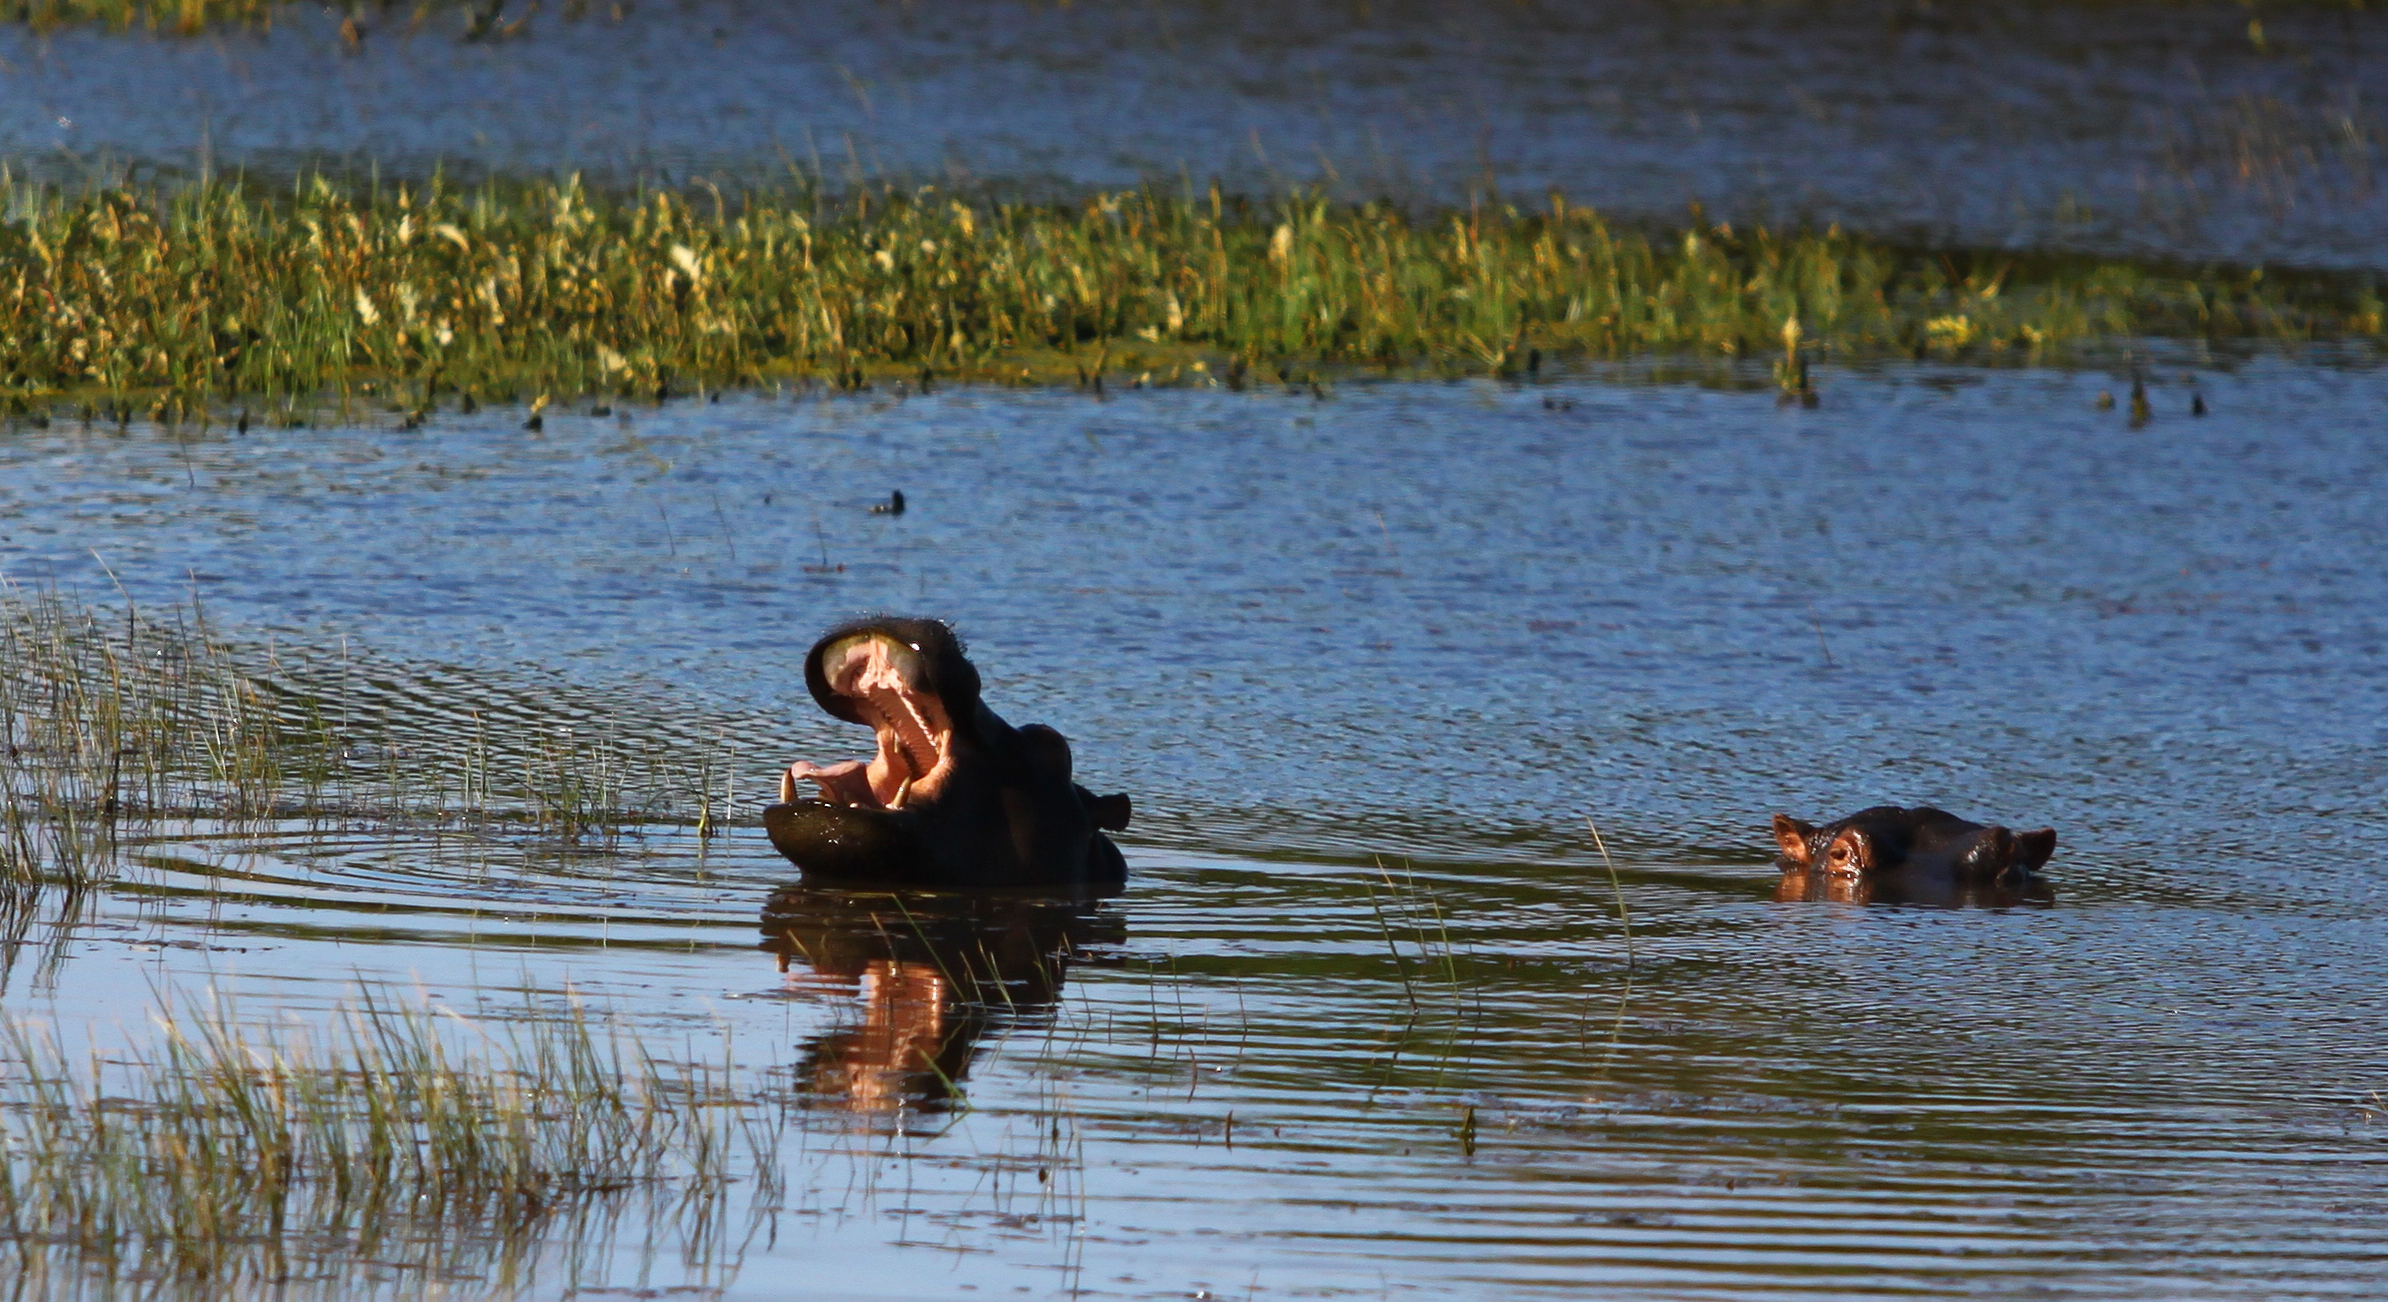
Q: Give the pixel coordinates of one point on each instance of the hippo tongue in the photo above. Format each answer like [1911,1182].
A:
[847,782]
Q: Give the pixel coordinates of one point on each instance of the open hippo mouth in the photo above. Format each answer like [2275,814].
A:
[953,795]
[890,685]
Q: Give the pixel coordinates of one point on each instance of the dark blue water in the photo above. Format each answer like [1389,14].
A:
[2139,128]
[1421,619]
[1367,665]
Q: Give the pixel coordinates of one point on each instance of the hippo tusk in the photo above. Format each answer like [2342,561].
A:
[903,789]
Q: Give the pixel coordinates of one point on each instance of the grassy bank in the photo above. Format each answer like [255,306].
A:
[183,16]
[474,20]
[181,302]
[191,17]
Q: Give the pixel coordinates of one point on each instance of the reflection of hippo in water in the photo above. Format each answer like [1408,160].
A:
[934,972]
[1889,854]
[955,796]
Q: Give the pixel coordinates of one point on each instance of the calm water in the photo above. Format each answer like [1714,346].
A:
[2140,128]
[1433,627]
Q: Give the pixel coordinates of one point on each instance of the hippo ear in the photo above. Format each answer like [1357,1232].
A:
[957,679]
[1792,835]
[2033,848]
[1993,852]
[1047,749]
[1110,812]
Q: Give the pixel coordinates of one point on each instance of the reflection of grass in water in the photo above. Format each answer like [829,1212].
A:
[183,302]
[21,914]
[394,1143]
[109,716]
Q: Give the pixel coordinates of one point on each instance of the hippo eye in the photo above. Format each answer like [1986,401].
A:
[914,645]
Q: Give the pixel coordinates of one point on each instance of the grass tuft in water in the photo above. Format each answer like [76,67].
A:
[102,715]
[111,717]
[235,1155]
[183,302]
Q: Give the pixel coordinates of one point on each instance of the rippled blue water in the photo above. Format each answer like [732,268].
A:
[1436,625]
[1412,618]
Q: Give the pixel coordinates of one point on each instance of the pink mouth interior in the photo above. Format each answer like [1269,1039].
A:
[915,737]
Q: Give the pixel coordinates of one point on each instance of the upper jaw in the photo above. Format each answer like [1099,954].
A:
[916,747]
[880,681]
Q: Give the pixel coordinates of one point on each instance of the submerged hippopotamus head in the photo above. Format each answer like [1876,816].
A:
[1916,844]
[955,796]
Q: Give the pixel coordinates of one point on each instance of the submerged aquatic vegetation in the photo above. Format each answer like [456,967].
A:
[187,301]
[397,1140]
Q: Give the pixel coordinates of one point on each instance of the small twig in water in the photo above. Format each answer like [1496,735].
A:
[1817,622]
[1400,964]
[1624,915]
[726,534]
[1625,919]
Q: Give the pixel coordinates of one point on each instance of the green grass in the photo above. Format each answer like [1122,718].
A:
[114,718]
[106,716]
[399,1138]
[195,301]
[191,17]
[183,16]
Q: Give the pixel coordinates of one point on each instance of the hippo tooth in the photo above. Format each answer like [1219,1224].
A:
[926,737]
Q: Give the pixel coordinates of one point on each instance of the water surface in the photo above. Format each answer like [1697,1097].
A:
[1371,1018]
[2145,129]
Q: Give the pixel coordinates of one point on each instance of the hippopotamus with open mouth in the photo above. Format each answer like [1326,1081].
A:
[1915,853]
[955,796]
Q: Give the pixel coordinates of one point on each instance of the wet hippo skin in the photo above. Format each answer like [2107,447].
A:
[954,796]
[1923,855]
